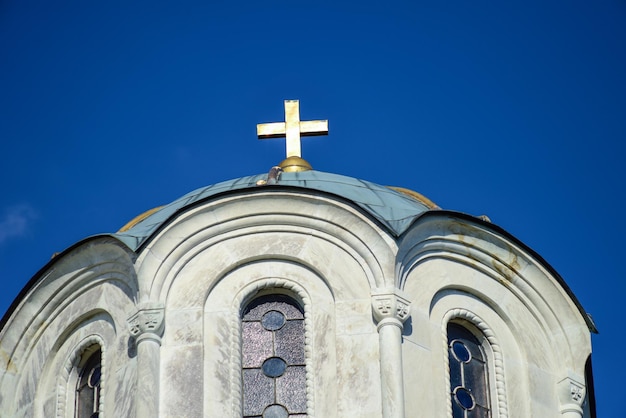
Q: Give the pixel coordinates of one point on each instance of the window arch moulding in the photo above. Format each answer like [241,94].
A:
[248,295]
[88,388]
[499,405]
[273,360]
[71,373]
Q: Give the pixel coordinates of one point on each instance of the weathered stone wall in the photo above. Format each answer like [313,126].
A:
[376,310]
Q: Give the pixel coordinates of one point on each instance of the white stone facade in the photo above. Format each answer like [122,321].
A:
[167,317]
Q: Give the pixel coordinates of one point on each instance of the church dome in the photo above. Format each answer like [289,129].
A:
[395,208]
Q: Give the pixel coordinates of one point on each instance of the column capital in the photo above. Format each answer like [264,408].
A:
[148,321]
[390,305]
[571,395]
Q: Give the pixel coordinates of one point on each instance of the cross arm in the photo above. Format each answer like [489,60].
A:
[271,130]
[314,128]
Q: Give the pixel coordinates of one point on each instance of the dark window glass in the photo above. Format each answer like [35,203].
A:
[464,398]
[273,320]
[274,367]
[274,379]
[88,388]
[275,411]
[468,374]
[461,352]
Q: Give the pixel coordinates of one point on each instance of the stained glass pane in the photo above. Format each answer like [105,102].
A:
[273,320]
[273,358]
[280,303]
[475,379]
[258,392]
[290,310]
[457,410]
[289,389]
[275,411]
[274,367]
[455,373]
[94,377]
[290,342]
[474,346]
[85,406]
[468,374]
[478,412]
[88,387]
[464,398]
[460,351]
[257,344]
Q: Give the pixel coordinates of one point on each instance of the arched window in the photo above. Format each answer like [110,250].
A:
[589,404]
[469,386]
[273,358]
[88,389]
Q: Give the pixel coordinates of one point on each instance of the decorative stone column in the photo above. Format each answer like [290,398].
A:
[571,396]
[390,311]
[147,326]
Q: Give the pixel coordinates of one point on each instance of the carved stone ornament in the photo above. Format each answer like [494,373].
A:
[571,393]
[577,392]
[390,305]
[147,320]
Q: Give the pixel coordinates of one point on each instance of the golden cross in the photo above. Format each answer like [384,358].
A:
[292,128]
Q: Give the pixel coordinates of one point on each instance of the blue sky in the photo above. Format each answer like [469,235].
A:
[512,110]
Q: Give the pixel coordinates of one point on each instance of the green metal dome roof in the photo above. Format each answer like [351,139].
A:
[394,209]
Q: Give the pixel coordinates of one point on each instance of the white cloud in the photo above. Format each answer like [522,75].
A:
[15,221]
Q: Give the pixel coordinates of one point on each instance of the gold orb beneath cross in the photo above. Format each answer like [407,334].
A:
[294,164]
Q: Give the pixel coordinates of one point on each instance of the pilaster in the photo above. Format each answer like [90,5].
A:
[147,326]
[390,310]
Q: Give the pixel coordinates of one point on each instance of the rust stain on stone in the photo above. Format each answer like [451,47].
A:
[9,365]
